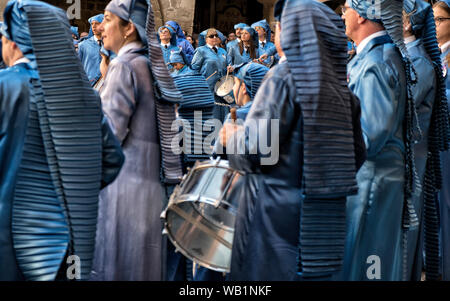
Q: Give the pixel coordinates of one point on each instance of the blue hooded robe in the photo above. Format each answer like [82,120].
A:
[172,47]
[289,221]
[269,47]
[55,155]
[444,195]
[89,53]
[374,217]
[181,40]
[234,56]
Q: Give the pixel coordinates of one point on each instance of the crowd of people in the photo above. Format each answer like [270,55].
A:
[357,103]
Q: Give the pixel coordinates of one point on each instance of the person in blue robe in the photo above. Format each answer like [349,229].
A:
[265,45]
[290,225]
[238,30]
[55,155]
[138,97]
[442,17]
[180,66]
[89,50]
[187,47]
[379,216]
[211,61]
[168,40]
[245,51]
[420,39]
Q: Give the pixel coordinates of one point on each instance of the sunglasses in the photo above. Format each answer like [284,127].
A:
[213,36]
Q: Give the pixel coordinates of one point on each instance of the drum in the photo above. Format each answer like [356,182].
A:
[224,88]
[200,216]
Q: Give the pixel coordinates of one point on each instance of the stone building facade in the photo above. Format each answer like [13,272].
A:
[192,15]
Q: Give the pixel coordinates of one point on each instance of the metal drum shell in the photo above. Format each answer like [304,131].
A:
[193,222]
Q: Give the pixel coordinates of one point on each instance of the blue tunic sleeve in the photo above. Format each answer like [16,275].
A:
[379,95]
[119,97]
[197,60]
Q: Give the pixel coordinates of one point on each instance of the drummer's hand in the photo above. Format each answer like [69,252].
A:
[226,132]
[230,69]
[264,57]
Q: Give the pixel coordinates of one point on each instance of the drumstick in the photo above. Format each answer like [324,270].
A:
[233,114]
[228,71]
[211,75]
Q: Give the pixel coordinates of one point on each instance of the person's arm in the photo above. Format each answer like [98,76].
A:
[188,51]
[113,157]
[270,119]
[118,98]
[379,105]
[197,60]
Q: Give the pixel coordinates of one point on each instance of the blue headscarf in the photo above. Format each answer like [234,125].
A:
[99,18]
[386,12]
[252,74]
[74,30]
[177,56]
[15,28]
[240,25]
[177,28]
[446,2]
[173,35]
[266,26]
[202,37]
[134,11]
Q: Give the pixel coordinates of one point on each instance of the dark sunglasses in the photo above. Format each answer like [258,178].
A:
[213,36]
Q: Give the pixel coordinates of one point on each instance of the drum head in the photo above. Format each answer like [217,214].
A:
[224,86]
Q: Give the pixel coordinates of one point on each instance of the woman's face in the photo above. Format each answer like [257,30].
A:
[212,39]
[190,40]
[112,33]
[442,25]
[245,36]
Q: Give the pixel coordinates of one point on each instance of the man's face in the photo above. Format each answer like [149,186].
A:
[239,32]
[164,34]
[96,28]
[350,17]
[231,37]
[178,66]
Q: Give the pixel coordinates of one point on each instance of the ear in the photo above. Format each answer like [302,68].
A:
[130,28]
[361,20]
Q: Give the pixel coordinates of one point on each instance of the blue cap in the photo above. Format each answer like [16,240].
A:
[177,56]
[266,26]
[15,26]
[133,11]
[173,35]
[98,18]
[175,26]
[240,25]
[252,74]
[446,2]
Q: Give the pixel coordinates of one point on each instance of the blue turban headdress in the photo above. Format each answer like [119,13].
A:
[266,26]
[173,35]
[240,25]
[134,11]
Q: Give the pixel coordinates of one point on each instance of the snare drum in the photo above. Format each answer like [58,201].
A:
[224,88]
[200,217]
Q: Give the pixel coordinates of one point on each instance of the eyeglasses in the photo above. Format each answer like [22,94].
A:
[439,20]
[213,36]
[344,9]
